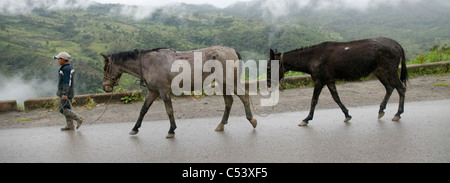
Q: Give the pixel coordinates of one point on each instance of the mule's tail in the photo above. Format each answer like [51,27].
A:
[404,72]
[240,58]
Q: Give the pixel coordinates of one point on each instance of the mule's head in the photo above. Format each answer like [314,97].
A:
[111,74]
[274,55]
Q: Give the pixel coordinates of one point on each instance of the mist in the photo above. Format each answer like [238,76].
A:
[270,9]
[145,11]
[16,88]
[274,9]
[19,7]
[136,12]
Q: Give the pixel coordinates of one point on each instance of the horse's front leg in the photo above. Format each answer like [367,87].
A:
[317,89]
[148,102]
[334,94]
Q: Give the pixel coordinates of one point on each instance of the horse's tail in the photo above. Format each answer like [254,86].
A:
[404,71]
[239,55]
[240,58]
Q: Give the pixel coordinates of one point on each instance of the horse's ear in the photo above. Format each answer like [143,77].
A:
[105,56]
[271,53]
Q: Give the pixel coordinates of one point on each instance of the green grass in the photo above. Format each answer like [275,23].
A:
[435,54]
[24,119]
[442,84]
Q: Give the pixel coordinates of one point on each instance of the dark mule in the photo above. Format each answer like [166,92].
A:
[154,68]
[332,61]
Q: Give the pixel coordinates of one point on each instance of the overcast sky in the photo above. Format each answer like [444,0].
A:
[217,3]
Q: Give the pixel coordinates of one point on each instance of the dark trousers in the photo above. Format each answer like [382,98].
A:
[64,104]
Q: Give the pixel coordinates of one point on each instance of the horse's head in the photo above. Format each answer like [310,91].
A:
[111,74]
[274,55]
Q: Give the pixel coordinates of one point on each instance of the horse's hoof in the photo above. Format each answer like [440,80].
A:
[396,118]
[134,132]
[347,119]
[254,122]
[303,123]
[220,127]
[380,115]
[170,135]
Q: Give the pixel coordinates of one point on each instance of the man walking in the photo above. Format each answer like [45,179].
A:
[66,91]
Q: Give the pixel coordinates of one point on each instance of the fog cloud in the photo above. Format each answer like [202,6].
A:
[136,12]
[19,7]
[274,9]
[361,5]
[16,88]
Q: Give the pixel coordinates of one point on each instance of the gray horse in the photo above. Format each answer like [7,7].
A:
[153,67]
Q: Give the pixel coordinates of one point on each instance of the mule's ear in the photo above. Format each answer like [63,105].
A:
[271,53]
[105,56]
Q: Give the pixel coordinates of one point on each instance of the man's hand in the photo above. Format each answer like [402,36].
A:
[64,97]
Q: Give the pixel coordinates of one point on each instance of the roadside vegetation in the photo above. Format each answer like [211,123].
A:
[435,54]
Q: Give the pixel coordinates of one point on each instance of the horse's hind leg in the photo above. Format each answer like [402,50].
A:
[228,103]
[248,111]
[401,92]
[152,95]
[334,94]
[391,81]
[389,90]
[169,109]
[383,104]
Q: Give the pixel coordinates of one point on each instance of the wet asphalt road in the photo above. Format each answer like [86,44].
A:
[422,135]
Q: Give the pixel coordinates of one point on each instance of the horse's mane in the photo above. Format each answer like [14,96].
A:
[124,56]
[305,48]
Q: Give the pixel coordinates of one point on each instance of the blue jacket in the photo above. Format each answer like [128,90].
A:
[65,82]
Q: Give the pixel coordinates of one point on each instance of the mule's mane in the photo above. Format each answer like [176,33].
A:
[304,48]
[124,56]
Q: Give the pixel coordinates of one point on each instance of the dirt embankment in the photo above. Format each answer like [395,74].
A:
[352,94]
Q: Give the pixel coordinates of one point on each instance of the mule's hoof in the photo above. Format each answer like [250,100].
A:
[220,127]
[254,122]
[396,118]
[347,119]
[303,123]
[134,132]
[380,115]
[170,135]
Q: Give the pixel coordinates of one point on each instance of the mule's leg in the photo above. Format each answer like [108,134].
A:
[148,102]
[169,109]
[317,89]
[332,87]
[228,103]
[390,81]
[401,92]
[248,112]
[383,75]
[383,104]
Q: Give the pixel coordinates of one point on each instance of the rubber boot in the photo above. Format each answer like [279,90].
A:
[69,114]
[79,122]
[69,125]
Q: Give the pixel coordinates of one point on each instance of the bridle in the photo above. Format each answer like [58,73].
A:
[281,68]
[108,76]
[280,71]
